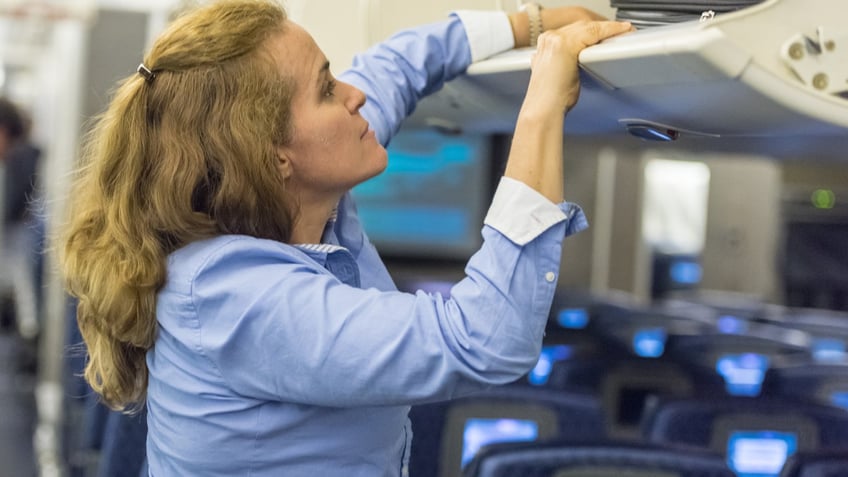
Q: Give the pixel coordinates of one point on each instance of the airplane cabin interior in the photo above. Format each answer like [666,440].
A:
[700,324]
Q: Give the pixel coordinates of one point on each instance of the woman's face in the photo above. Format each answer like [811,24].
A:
[332,147]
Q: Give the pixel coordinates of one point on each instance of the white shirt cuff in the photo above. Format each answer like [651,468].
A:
[521,213]
[489,32]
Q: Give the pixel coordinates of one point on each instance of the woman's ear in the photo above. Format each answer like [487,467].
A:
[284,163]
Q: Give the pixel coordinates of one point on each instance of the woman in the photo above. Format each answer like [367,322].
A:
[211,233]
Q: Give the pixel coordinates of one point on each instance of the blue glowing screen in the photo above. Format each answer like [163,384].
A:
[759,453]
[839,399]
[540,373]
[743,373]
[479,432]
[429,286]
[732,325]
[829,350]
[430,200]
[573,318]
[685,272]
[649,342]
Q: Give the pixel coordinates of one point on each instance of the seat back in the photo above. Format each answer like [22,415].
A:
[825,383]
[145,470]
[747,429]
[831,463]
[604,459]
[629,387]
[447,434]
[124,445]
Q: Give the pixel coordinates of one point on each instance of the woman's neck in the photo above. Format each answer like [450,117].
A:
[311,220]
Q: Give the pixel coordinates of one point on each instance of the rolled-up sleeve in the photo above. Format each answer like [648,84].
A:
[521,213]
[489,33]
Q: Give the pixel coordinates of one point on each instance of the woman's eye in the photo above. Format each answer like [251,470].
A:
[328,91]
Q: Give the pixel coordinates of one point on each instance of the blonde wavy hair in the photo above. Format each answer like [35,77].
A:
[187,155]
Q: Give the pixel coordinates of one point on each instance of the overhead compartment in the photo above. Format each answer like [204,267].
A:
[766,74]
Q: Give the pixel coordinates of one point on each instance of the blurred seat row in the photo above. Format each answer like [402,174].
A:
[704,384]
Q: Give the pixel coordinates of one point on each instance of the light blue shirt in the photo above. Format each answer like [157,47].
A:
[302,360]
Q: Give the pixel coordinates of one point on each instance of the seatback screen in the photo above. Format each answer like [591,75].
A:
[759,453]
[480,432]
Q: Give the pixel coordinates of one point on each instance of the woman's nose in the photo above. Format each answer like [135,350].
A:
[355,99]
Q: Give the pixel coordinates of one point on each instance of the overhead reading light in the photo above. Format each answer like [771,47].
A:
[651,132]
[654,131]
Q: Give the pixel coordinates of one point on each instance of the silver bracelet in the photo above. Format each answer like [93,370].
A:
[534,19]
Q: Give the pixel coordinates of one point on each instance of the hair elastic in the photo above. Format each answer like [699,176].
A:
[146,73]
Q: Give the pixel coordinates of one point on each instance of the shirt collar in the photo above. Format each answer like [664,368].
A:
[319,247]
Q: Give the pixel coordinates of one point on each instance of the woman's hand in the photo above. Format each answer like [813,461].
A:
[554,81]
[535,157]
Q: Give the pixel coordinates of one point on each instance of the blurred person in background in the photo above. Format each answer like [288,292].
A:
[18,252]
[225,281]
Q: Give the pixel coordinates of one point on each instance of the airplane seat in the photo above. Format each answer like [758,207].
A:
[97,440]
[586,351]
[574,355]
[643,331]
[144,471]
[739,359]
[831,463]
[601,459]
[84,416]
[428,423]
[746,429]
[75,355]
[94,421]
[627,364]
[124,444]
[630,387]
[825,383]
[582,372]
[828,330]
[447,434]
[742,306]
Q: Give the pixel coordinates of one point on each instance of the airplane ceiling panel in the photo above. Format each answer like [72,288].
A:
[769,74]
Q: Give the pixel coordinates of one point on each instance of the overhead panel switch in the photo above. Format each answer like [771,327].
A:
[820,61]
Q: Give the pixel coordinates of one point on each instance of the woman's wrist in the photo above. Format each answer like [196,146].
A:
[534,21]
[520,29]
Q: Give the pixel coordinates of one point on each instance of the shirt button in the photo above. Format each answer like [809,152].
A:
[550,276]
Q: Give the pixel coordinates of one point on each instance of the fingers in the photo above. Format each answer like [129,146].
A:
[582,34]
[554,82]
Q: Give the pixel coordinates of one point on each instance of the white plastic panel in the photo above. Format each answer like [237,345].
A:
[388,16]
[343,28]
[338,26]
[667,55]
[728,77]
